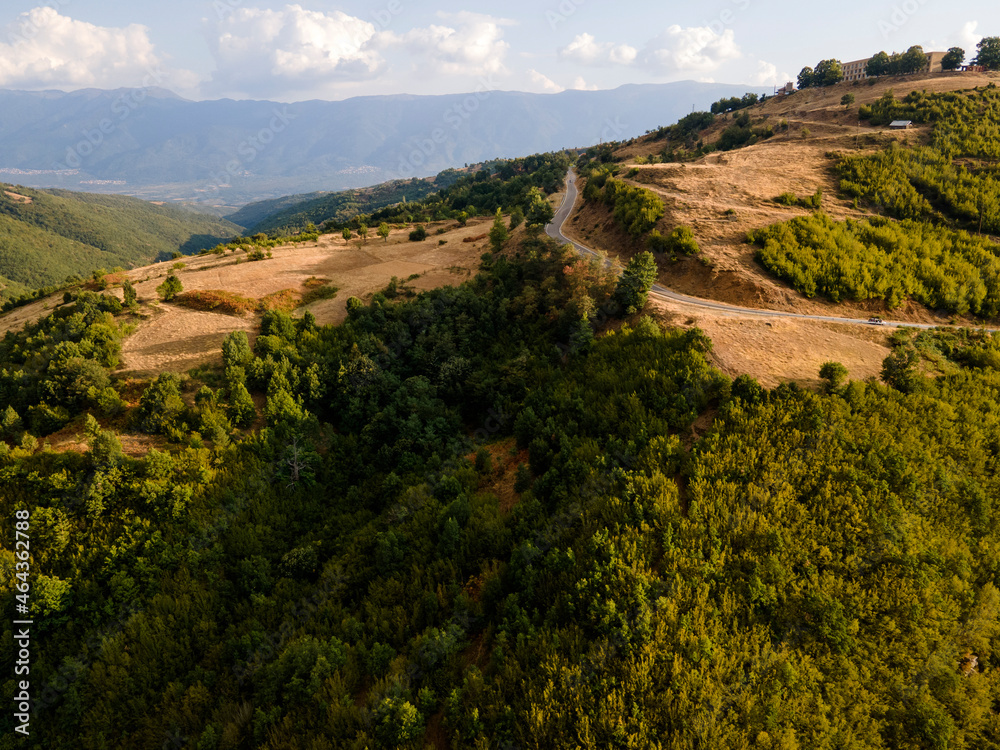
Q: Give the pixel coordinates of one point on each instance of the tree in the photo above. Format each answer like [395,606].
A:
[828,72]
[419,234]
[847,100]
[899,369]
[383,231]
[806,77]
[988,53]
[128,291]
[516,218]
[463,218]
[498,233]
[953,58]
[748,389]
[539,211]
[914,60]
[170,288]
[346,234]
[10,423]
[363,233]
[834,374]
[635,282]
[878,65]
[241,411]
[160,404]
[236,350]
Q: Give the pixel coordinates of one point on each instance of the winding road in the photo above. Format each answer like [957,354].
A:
[555,230]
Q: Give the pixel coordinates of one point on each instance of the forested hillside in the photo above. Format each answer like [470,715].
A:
[47,235]
[499,183]
[289,214]
[944,196]
[497,515]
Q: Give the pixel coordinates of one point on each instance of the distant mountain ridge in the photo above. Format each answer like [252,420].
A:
[152,143]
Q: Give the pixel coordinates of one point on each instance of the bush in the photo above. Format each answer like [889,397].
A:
[170,288]
[636,209]
[419,234]
[679,242]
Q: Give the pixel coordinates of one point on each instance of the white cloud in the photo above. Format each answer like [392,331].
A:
[767,75]
[581,85]
[47,50]
[293,48]
[692,50]
[542,81]
[476,47]
[968,38]
[586,50]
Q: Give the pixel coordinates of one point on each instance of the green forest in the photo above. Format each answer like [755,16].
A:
[954,180]
[942,203]
[501,515]
[295,212]
[502,183]
[946,270]
[60,234]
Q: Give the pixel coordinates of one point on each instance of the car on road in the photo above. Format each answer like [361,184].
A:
[876,321]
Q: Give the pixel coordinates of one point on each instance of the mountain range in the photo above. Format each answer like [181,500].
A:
[155,145]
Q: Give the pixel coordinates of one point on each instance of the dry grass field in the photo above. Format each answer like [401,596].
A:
[176,338]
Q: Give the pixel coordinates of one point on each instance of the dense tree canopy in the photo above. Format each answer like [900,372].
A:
[988,53]
[453,527]
[826,73]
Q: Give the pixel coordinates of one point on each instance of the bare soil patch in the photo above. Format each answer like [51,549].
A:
[784,350]
[176,339]
[18,197]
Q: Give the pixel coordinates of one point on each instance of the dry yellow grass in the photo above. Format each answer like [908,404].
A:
[17,197]
[178,339]
[724,195]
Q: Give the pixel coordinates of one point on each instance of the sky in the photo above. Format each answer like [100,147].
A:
[313,49]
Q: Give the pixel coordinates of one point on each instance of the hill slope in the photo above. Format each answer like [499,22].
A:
[47,235]
[299,210]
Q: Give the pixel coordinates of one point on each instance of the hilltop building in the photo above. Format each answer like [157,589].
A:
[856,70]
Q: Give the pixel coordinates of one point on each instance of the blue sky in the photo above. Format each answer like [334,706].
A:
[205,49]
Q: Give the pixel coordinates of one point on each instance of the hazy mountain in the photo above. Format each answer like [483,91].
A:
[151,143]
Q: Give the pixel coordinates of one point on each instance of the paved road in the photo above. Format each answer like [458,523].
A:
[554,230]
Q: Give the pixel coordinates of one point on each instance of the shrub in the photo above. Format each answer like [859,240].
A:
[170,288]
[679,242]
[419,234]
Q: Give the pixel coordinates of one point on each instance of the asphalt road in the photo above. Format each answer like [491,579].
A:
[554,230]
